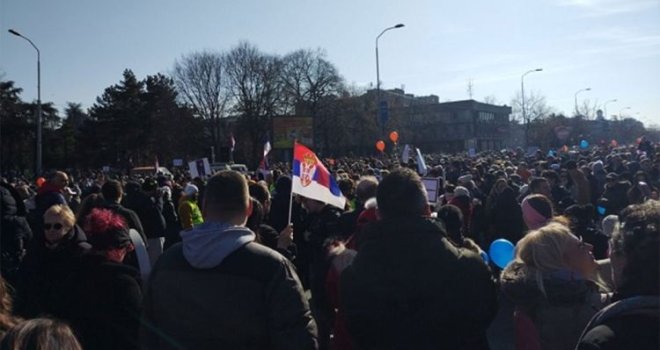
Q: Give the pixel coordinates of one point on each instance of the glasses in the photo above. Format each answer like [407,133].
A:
[56,226]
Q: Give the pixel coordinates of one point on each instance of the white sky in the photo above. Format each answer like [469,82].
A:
[612,46]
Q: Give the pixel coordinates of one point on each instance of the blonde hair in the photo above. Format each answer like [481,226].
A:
[543,250]
[64,212]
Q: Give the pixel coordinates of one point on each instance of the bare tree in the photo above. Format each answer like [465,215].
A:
[490,99]
[535,107]
[311,84]
[588,109]
[256,90]
[199,78]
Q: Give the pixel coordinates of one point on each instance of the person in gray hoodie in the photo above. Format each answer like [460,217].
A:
[219,289]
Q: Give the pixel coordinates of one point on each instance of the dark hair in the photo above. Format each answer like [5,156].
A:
[366,188]
[638,239]
[259,192]
[452,217]
[40,334]
[6,307]
[226,194]
[93,200]
[541,204]
[550,175]
[111,190]
[401,194]
[535,184]
[257,217]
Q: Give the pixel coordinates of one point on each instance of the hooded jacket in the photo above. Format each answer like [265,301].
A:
[218,289]
[561,312]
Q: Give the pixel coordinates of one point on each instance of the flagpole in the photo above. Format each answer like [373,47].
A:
[291,193]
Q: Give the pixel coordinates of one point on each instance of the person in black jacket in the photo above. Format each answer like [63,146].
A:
[50,259]
[408,287]
[103,299]
[15,230]
[633,320]
[112,195]
[219,289]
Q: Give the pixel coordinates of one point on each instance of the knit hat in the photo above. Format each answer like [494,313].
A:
[190,189]
[597,166]
[532,210]
[461,191]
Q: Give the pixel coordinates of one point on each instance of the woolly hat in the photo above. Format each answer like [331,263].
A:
[597,166]
[461,191]
[190,189]
[535,213]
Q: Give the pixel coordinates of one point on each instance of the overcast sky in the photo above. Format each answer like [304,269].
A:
[611,46]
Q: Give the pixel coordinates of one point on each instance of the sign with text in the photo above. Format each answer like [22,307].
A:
[434,188]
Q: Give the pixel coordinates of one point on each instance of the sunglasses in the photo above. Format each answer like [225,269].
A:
[57,226]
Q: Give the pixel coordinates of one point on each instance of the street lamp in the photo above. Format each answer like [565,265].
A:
[522,91]
[38,165]
[605,106]
[400,25]
[576,104]
[621,111]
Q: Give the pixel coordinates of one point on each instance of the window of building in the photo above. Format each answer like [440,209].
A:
[486,116]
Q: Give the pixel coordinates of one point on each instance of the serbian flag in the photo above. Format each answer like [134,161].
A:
[312,179]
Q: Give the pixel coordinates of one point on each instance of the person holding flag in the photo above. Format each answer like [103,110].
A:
[324,203]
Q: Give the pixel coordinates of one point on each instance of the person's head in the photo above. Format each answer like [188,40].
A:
[40,334]
[112,191]
[452,218]
[401,194]
[191,191]
[312,205]
[537,211]
[347,187]
[635,248]
[366,188]
[257,217]
[108,234]
[554,248]
[226,198]
[259,191]
[6,306]
[58,221]
[58,179]
[540,185]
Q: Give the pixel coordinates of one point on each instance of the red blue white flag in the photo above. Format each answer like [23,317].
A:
[312,179]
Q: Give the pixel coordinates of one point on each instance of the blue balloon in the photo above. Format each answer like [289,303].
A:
[484,256]
[501,252]
[601,210]
[584,144]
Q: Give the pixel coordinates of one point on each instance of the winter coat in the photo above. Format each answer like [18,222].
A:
[506,217]
[103,304]
[149,211]
[131,218]
[559,315]
[218,289]
[43,271]
[630,323]
[15,230]
[409,288]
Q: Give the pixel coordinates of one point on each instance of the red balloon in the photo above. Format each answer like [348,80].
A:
[40,181]
[394,136]
[380,145]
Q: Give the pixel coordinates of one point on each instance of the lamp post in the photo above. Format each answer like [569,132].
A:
[621,111]
[522,92]
[577,111]
[605,106]
[38,161]
[400,25]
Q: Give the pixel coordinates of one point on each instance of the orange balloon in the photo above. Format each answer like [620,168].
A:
[40,181]
[380,145]
[394,136]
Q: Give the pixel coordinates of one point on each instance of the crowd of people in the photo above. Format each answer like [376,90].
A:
[92,260]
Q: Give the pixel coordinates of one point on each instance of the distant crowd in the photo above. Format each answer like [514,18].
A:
[91,260]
